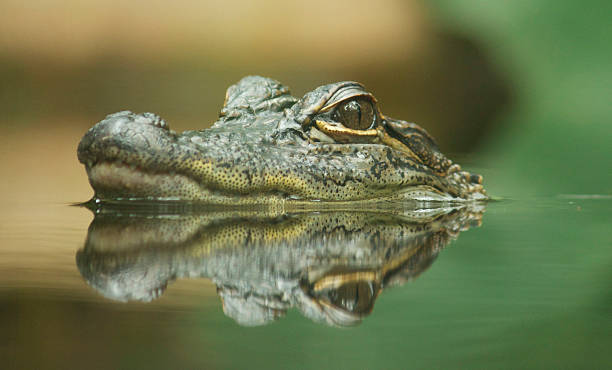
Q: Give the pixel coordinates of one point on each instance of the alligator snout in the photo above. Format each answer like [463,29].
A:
[121,133]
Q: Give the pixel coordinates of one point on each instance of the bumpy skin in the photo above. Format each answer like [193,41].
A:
[331,265]
[269,147]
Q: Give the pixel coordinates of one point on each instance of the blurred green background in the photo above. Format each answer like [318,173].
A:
[516,90]
[557,136]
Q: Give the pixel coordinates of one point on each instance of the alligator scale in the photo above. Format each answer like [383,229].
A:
[332,145]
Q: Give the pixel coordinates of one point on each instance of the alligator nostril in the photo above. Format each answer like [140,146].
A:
[152,119]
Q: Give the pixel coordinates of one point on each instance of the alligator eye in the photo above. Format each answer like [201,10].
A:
[356,114]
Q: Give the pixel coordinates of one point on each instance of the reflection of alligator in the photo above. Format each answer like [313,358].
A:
[331,265]
[334,144]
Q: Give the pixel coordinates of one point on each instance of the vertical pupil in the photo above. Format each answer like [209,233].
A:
[356,114]
[351,112]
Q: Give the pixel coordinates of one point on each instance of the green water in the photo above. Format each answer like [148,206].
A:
[530,288]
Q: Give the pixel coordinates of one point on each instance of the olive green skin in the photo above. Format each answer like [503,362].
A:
[265,148]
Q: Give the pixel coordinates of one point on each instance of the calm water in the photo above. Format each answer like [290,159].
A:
[530,287]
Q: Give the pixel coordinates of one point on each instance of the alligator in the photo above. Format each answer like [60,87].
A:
[268,147]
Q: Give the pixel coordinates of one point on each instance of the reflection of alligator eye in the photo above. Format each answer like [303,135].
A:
[356,297]
[356,114]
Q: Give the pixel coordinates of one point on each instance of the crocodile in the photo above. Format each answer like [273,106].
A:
[330,265]
[269,147]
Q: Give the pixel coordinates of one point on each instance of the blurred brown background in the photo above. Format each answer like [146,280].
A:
[81,60]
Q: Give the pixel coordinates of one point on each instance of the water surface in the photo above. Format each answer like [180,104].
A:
[530,287]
